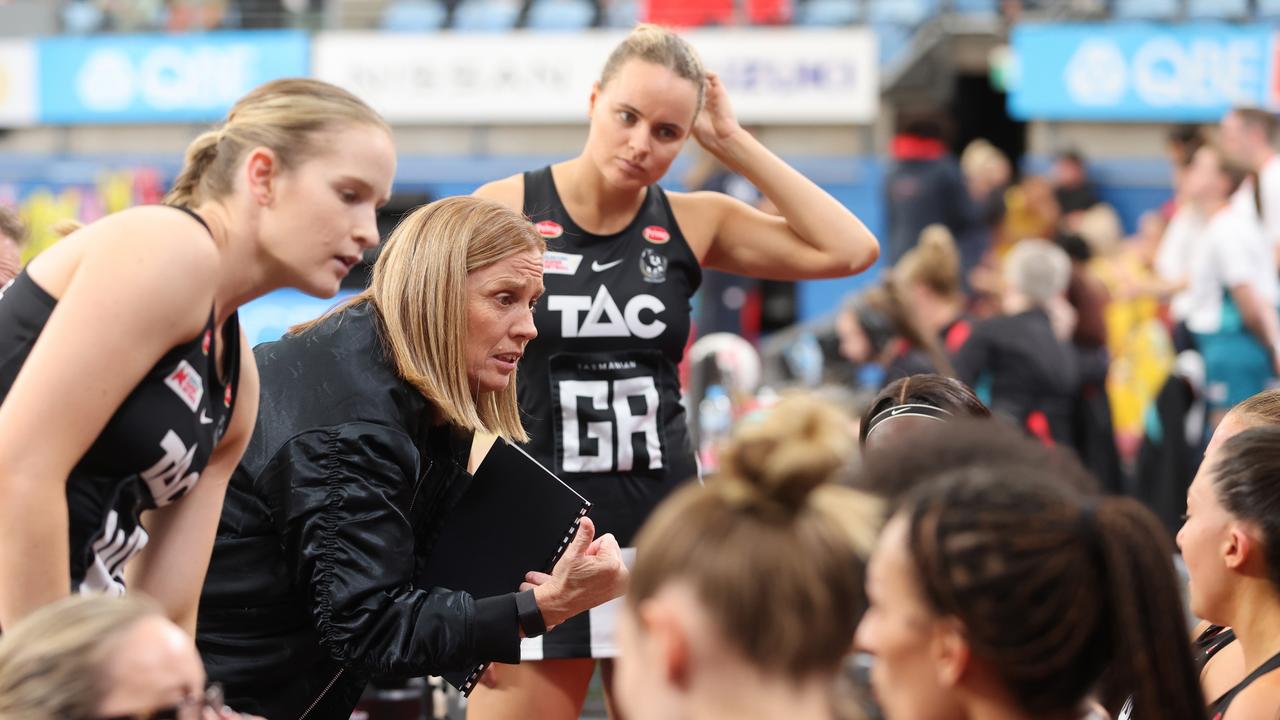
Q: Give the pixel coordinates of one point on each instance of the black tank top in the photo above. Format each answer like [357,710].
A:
[151,451]
[600,386]
[1212,640]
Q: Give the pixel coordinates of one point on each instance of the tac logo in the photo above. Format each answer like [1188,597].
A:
[187,384]
[656,235]
[549,229]
[603,318]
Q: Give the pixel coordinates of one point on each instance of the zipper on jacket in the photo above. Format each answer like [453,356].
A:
[323,692]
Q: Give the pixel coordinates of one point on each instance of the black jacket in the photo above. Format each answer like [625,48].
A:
[312,590]
[1026,369]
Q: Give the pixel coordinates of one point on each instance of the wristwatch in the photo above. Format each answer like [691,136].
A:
[528,614]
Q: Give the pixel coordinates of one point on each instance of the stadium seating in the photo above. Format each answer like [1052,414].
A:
[414,16]
[561,15]
[901,12]
[829,13]
[1146,9]
[486,15]
[1217,9]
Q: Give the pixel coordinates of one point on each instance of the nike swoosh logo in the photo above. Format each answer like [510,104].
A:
[597,267]
[205,419]
[899,410]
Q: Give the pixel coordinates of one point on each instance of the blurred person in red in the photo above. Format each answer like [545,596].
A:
[924,185]
[12,237]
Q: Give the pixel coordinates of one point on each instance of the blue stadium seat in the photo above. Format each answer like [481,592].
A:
[1268,9]
[976,7]
[1146,9]
[486,15]
[828,13]
[901,12]
[621,13]
[893,40]
[413,16]
[561,15]
[82,17]
[1217,9]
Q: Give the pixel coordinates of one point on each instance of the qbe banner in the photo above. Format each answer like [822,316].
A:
[1141,72]
[161,78]
[773,76]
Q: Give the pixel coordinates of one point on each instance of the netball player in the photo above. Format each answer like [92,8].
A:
[599,387]
[121,372]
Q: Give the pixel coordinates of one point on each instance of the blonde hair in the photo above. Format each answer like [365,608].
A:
[1101,229]
[658,45]
[419,290]
[773,560]
[283,115]
[52,662]
[934,263]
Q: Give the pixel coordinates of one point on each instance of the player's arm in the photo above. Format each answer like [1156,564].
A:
[814,236]
[172,568]
[509,191]
[143,285]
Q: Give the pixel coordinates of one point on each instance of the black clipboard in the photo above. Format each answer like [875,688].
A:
[514,517]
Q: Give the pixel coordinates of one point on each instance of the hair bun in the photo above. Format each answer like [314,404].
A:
[778,459]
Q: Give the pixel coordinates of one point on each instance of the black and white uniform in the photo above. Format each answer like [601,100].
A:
[151,451]
[599,387]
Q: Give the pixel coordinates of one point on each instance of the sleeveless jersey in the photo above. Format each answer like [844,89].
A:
[599,387]
[152,450]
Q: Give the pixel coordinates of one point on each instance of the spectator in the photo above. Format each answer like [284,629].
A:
[876,328]
[928,280]
[1233,290]
[1181,144]
[102,657]
[1020,361]
[746,590]
[987,173]
[1072,187]
[1092,433]
[12,237]
[1248,141]
[924,186]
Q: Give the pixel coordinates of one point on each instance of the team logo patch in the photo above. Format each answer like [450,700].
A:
[549,229]
[655,234]
[558,263]
[204,343]
[653,266]
[187,383]
[226,397]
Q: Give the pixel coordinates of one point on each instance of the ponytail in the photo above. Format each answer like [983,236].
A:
[200,156]
[1148,624]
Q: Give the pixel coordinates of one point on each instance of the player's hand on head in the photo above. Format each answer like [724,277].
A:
[717,122]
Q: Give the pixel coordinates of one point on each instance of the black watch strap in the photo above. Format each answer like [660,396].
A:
[528,614]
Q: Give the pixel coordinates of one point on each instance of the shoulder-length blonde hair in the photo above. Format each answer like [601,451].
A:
[53,664]
[419,290]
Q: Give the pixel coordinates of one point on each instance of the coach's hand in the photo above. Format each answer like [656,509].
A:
[590,573]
